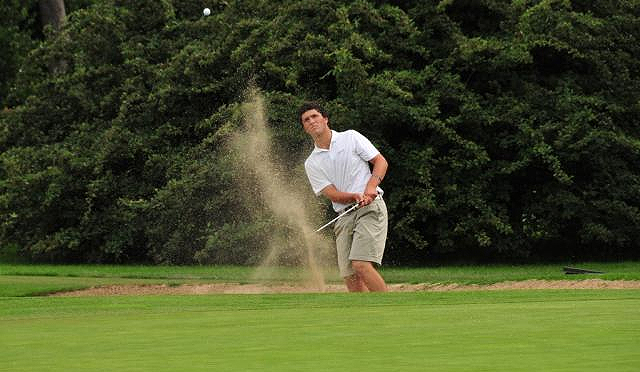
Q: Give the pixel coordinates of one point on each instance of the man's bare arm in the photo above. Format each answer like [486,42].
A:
[340,196]
[380,166]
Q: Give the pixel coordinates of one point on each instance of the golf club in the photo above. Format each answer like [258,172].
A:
[337,218]
[355,206]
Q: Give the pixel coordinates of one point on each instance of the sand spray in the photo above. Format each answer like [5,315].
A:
[287,197]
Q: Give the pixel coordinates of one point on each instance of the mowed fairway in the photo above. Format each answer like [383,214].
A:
[543,330]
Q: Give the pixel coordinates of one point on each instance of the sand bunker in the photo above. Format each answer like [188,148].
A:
[237,288]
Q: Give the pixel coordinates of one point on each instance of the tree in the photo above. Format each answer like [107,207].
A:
[16,26]
[511,127]
[52,12]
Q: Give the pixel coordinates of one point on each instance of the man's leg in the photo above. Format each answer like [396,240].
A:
[369,276]
[371,235]
[355,284]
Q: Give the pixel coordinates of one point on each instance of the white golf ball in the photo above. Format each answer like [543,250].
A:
[206,11]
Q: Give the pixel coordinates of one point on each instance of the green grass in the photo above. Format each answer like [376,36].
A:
[455,331]
[27,280]
[232,273]
[488,274]
[536,330]
[21,285]
[30,280]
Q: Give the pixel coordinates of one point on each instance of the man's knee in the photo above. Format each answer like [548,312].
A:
[361,266]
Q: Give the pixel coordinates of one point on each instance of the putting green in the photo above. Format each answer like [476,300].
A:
[462,331]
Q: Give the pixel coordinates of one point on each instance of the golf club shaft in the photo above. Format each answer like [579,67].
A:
[337,218]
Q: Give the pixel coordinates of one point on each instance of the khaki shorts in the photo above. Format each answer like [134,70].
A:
[361,235]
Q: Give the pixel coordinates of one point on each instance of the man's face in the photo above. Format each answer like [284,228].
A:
[314,123]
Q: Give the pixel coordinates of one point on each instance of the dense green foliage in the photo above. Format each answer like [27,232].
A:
[511,127]
[15,42]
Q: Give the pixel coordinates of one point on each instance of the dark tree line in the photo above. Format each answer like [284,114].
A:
[511,127]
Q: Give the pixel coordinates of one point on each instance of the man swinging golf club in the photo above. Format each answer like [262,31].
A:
[338,168]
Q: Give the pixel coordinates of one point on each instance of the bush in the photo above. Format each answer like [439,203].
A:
[511,128]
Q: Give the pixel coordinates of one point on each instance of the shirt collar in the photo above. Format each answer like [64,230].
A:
[333,140]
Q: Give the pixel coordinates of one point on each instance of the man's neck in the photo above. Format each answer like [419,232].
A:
[323,141]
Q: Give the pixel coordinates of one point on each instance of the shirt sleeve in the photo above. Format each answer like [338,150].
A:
[317,178]
[364,147]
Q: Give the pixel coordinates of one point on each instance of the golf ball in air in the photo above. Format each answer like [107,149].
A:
[206,11]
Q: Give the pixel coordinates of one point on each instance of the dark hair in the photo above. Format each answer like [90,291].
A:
[311,106]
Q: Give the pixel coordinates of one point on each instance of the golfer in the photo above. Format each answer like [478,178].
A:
[338,168]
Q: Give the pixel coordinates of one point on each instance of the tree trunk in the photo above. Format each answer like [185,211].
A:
[52,13]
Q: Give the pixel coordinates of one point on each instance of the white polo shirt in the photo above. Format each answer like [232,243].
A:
[345,164]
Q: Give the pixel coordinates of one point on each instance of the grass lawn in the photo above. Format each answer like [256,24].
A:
[533,330]
[453,331]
